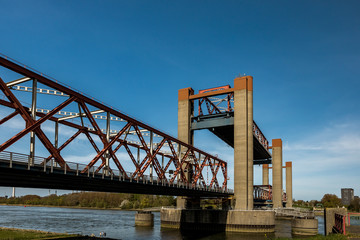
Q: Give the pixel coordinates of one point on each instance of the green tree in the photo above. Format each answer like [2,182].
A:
[331,201]
[355,205]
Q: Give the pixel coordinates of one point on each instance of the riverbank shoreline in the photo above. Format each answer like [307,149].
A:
[155,209]
[17,233]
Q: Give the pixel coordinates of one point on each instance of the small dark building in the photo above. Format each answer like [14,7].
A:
[347,195]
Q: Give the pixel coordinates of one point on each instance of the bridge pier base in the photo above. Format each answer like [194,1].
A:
[304,227]
[144,219]
[187,203]
[218,220]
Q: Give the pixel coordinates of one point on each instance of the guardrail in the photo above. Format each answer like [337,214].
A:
[75,169]
[340,223]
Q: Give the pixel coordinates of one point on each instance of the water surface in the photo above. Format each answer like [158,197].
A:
[116,224]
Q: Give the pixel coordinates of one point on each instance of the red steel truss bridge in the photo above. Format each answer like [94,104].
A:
[39,116]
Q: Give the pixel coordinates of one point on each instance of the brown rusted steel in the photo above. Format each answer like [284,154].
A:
[180,169]
[84,101]
[10,116]
[260,136]
[31,123]
[224,170]
[106,148]
[92,142]
[198,172]
[262,192]
[64,144]
[212,108]
[214,171]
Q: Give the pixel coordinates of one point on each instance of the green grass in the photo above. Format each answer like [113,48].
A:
[319,237]
[14,234]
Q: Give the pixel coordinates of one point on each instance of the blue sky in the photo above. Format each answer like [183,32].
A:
[135,55]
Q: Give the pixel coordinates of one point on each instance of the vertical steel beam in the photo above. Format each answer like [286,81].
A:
[151,153]
[33,115]
[56,135]
[179,160]
[138,156]
[81,115]
[162,162]
[107,155]
[56,138]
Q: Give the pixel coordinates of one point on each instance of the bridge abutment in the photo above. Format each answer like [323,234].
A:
[218,220]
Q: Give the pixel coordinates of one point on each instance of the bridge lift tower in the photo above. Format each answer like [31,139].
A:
[228,113]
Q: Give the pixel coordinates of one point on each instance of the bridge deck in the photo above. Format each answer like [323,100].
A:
[18,174]
[222,125]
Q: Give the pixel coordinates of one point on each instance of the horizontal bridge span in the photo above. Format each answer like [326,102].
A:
[19,174]
[185,162]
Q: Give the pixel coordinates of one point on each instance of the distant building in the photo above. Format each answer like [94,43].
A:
[347,195]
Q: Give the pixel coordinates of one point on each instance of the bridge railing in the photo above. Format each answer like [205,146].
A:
[340,222]
[51,166]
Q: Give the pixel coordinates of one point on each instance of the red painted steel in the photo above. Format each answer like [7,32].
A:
[86,103]
[212,108]
[340,221]
[262,192]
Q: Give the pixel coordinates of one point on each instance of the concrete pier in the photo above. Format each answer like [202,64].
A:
[304,227]
[277,173]
[289,200]
[329,218]
[219,220]
[144,219]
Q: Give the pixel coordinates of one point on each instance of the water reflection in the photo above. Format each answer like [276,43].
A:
[116,224]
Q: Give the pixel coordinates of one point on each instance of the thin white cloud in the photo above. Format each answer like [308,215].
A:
[325,161]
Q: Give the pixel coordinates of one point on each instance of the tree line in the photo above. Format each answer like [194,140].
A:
[94,200]
[329,201]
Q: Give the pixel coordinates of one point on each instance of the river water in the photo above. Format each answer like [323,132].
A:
[116,224]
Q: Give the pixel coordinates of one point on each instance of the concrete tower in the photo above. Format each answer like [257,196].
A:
[243,143]
[277,173]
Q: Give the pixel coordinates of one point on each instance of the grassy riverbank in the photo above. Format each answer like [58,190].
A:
[25,234]
[14,234]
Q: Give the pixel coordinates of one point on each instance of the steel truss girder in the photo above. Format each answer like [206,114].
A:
[179,162]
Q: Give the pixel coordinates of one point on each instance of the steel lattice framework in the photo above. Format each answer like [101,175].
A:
[220,100]
[188,161]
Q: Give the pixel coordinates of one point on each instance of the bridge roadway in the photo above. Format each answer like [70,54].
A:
[18,173]
[222,125]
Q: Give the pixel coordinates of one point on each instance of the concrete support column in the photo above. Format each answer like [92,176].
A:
[277,173]
[250,140]
[289,198]
[265,175]
[185,112]
[243,143]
